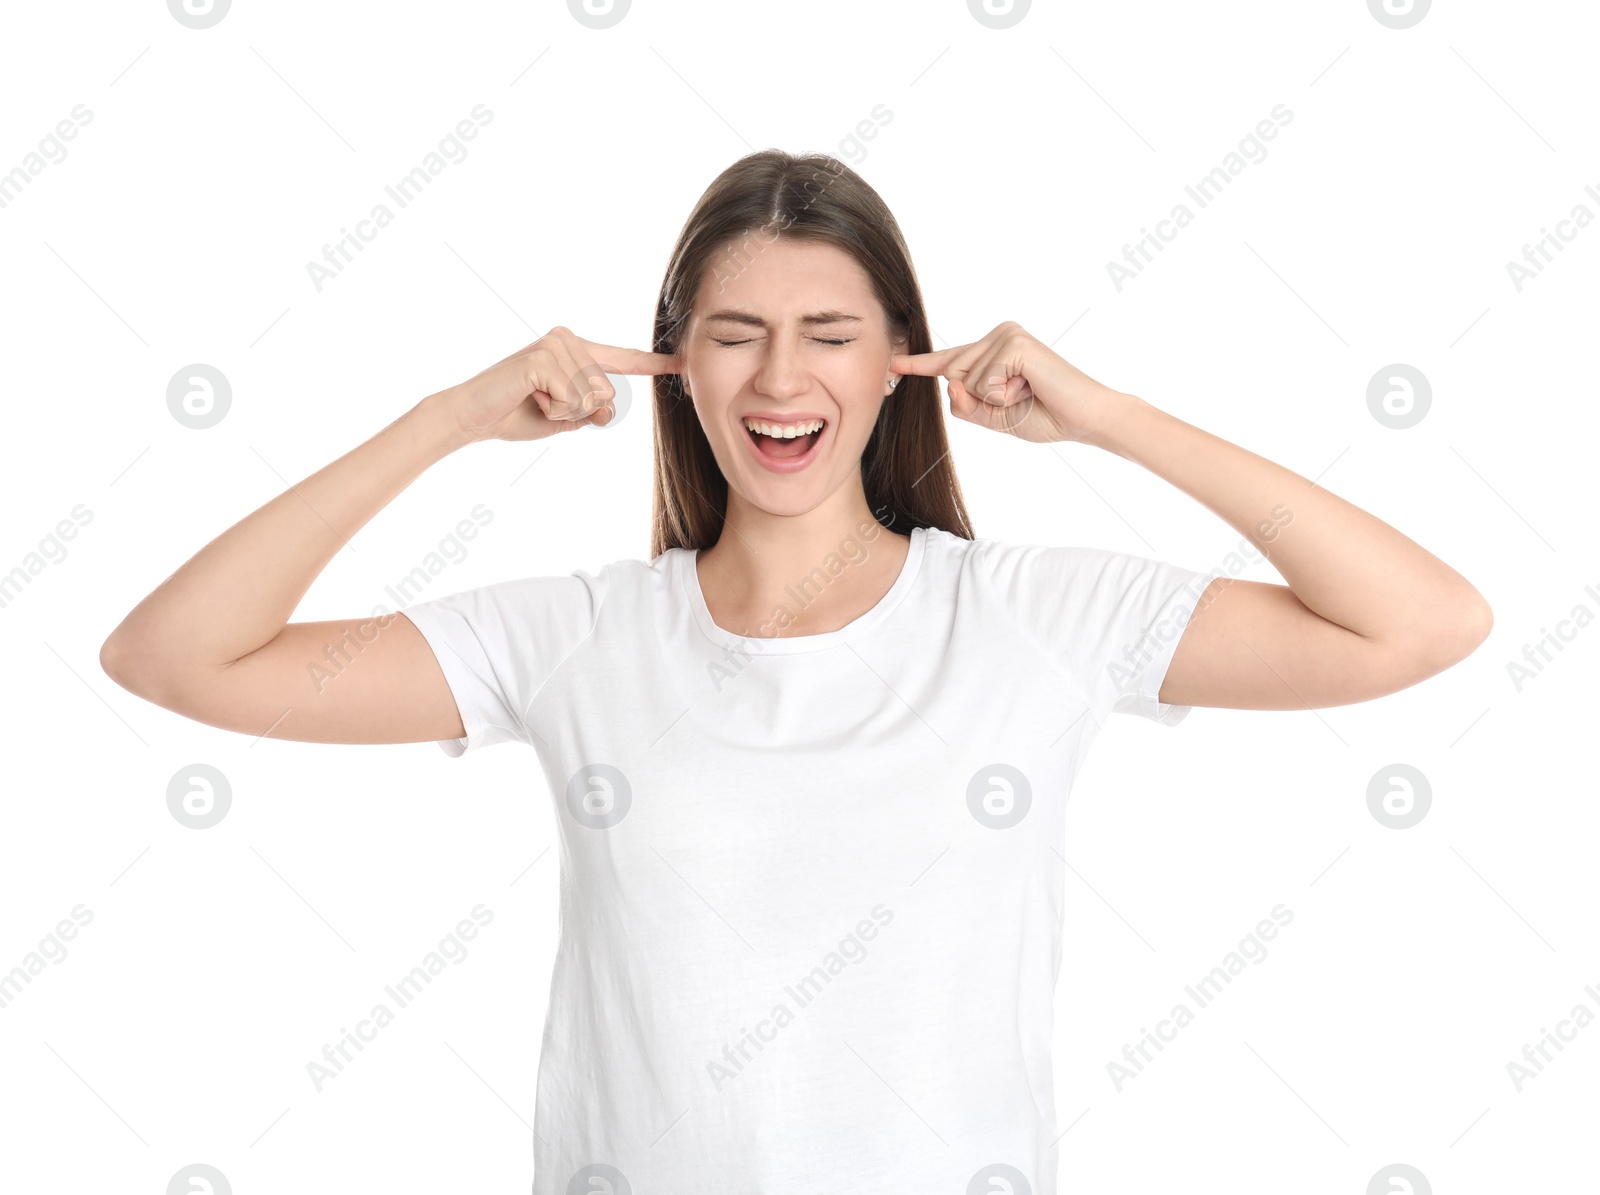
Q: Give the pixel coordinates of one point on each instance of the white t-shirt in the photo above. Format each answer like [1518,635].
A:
[812,886]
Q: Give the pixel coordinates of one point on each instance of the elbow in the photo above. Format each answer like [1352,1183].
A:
[1460,628]
[152,670]
[1485,617]
[123,661]
[1474,620]
[114,661]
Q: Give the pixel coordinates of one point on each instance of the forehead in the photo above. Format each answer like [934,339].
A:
[783,278]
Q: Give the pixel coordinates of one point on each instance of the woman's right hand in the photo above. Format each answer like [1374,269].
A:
[555,384]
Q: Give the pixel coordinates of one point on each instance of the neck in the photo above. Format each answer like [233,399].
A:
[799,574]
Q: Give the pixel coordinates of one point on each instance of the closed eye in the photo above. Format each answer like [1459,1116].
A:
[818,339]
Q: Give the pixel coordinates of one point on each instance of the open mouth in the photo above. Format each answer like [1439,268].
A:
[784,441]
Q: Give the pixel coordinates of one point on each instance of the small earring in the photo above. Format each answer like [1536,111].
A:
[893,382]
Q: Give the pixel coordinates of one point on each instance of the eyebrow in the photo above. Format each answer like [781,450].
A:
[733,316]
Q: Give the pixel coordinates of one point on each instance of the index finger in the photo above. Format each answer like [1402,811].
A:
[925,364]
[613,359]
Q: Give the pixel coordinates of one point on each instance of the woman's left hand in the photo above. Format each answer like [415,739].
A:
[1009,382]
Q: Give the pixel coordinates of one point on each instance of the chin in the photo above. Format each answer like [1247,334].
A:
[784,502]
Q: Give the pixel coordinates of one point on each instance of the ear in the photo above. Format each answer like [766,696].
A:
[899,347]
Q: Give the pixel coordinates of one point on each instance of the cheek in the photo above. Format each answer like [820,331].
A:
[713,380]
[856,384]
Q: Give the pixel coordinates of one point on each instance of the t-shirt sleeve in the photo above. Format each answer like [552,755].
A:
[498,644]
[1109,620]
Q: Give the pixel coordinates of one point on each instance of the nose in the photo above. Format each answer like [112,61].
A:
[782,373]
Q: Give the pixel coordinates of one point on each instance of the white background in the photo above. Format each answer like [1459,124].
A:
[1377,229]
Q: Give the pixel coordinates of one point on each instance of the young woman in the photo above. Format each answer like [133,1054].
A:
[809,761]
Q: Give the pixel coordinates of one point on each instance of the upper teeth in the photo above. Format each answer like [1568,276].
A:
[785,431]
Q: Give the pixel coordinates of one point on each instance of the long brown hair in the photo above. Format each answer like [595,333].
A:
[905,468]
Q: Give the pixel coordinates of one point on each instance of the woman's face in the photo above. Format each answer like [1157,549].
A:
[787,335]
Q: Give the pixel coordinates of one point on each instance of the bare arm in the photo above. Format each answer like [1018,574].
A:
[1366,611]
[213,641]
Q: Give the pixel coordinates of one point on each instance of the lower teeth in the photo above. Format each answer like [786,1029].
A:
[782,444]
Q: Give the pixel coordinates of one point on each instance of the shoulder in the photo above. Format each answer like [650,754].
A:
[569,604]
[624,598]
[1038,583]
[1020,561]
[1009,563]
